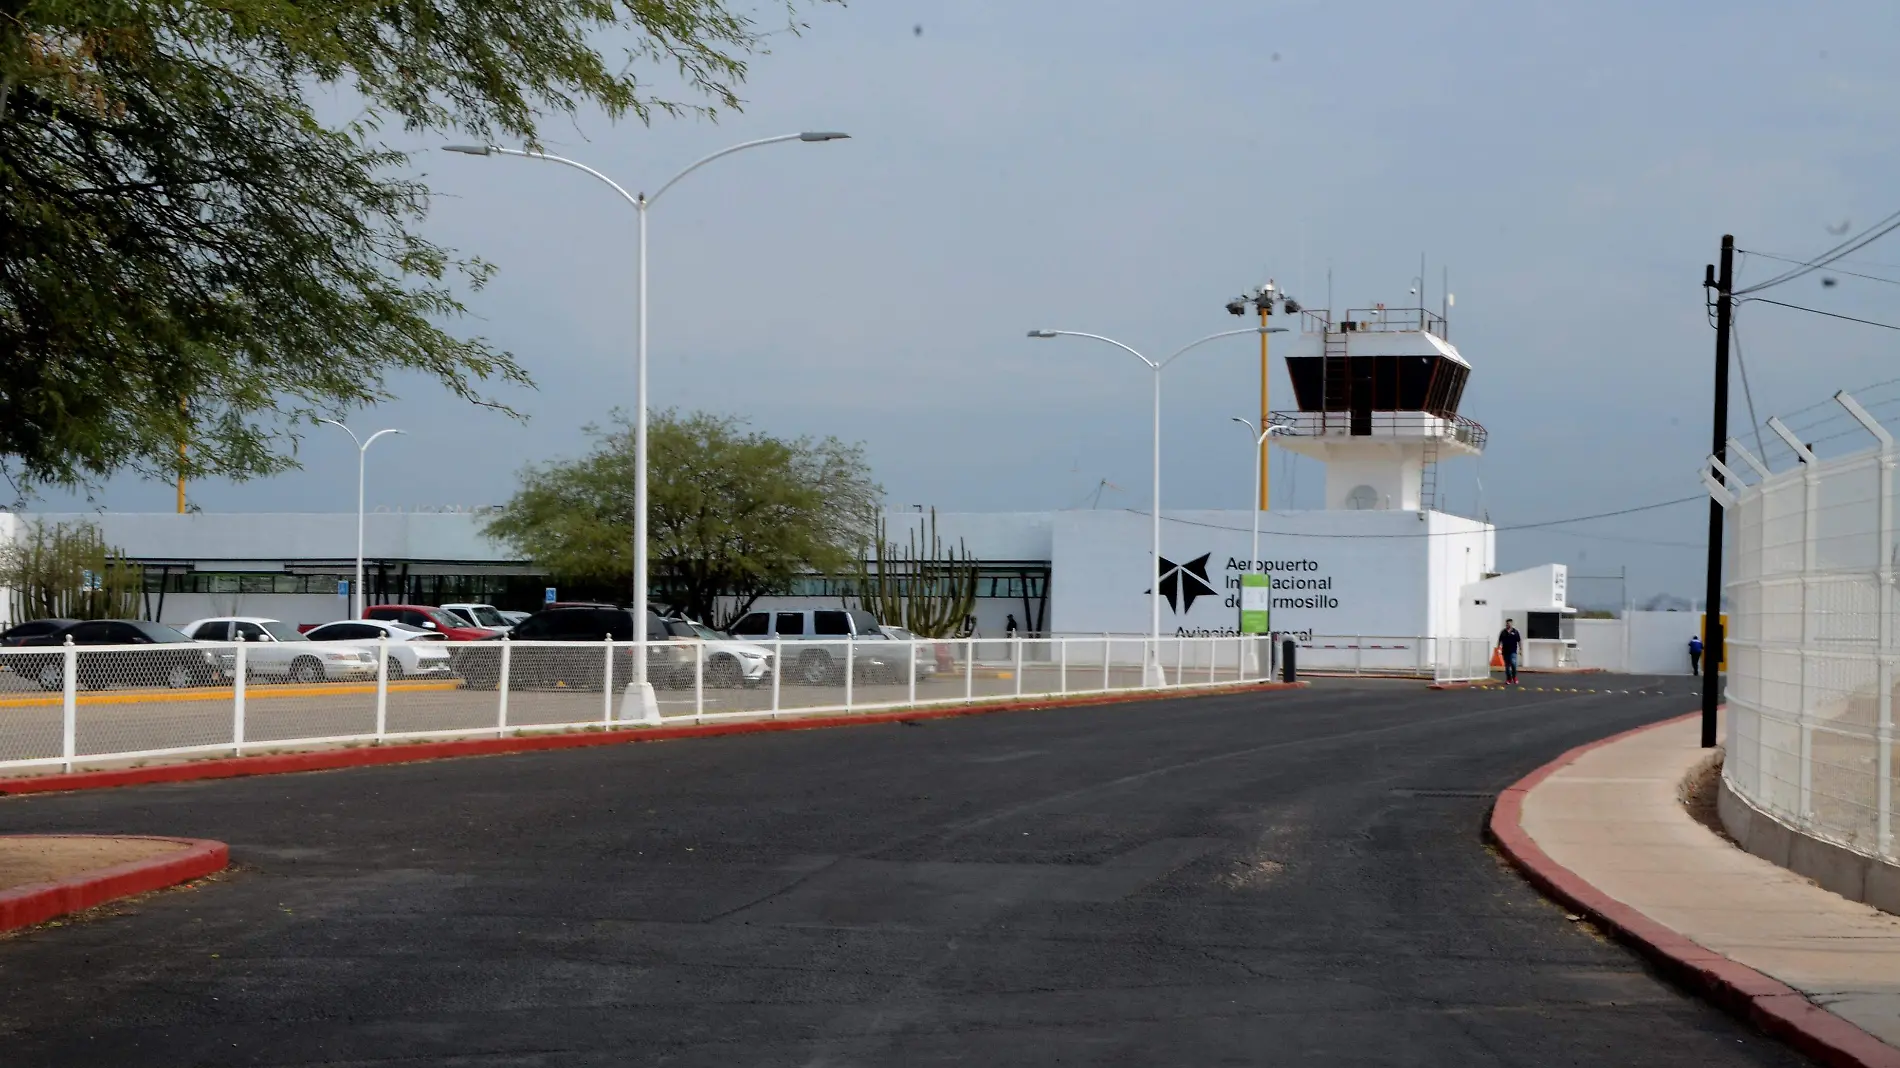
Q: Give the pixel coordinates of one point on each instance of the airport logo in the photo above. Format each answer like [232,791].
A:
[1183,584]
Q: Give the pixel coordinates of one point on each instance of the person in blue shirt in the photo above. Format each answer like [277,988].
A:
[1508,641]
[1695,656]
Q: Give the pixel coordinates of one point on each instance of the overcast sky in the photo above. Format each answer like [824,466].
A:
[1124,168]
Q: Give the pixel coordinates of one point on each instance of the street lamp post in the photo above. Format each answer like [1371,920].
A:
[1259,446]
[362,454]
[1151,667]
[641,689]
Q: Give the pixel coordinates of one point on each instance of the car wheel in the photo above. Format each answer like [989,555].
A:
[723,671]
[51,676]
[814,668]
[306,669]
[392,668]
[179,676]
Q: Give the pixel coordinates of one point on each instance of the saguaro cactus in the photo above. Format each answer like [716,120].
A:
[920,586]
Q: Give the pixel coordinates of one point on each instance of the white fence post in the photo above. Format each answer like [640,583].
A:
[1062,668]
[778,669]
[699,682]
[1810,554]
[1018,640]
[607,685]
[850,670]
[1883,726]
[382,687]
[240,676]
[911,675]
[1358,654]
[69,702]
[501,686]
[969,668]
[1180,661]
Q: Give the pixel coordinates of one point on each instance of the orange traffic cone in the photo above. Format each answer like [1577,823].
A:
[1497,656]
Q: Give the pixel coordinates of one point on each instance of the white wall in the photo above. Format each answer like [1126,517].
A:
[1659,641]
[1337,573]
[1600,644]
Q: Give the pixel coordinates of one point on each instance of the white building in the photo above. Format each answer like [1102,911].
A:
[1377,398]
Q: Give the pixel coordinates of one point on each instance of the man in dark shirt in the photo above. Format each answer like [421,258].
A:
[1695,654]
[1508,641]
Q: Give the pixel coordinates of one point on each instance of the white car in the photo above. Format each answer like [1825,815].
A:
[274,649]
[413,651]
[728,663]
[481,615]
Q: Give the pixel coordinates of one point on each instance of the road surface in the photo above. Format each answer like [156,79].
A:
[1270,879]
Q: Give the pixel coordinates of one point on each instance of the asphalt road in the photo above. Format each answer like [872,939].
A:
[1271,879]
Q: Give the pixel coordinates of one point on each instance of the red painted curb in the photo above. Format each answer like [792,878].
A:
[331,759]
[34,903]
[1767,1003]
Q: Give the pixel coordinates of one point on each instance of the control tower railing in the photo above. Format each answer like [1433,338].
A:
[1376,318]
[1414,426]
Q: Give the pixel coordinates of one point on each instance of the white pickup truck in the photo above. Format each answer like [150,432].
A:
[480,615]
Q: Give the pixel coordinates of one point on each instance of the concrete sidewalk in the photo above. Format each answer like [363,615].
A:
[1612,816]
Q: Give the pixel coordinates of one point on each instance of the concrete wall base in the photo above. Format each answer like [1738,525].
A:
[1836,868]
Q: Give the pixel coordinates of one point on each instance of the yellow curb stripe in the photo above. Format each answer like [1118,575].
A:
[254,693]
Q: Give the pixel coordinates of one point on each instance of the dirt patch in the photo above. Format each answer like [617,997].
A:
[1698,789]
[42,858]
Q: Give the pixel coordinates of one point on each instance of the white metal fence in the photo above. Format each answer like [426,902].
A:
[1812,647]
[68,705]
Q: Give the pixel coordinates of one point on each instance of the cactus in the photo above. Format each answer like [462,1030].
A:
[66,571]
[920,586]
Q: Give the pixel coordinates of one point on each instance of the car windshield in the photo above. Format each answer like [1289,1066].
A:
[486,616]
[706,632]
[404,630]
[284,632]
[444,619]
[159,632]
[679,628]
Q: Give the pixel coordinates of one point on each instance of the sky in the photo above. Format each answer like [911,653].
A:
[1125,169]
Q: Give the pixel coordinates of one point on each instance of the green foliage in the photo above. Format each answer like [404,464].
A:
[733,514]
[66,571]
[920,586]
[189,254]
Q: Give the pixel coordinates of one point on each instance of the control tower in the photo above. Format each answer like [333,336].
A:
[1378,395]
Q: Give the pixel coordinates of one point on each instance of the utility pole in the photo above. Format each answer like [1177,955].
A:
[1713,652]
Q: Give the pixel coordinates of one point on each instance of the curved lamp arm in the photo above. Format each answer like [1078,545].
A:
[810,135]
[496,150]
[1178,353]
[1096,337]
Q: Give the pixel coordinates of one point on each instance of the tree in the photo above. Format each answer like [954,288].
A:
[190,255]
[733,514]
[67,571]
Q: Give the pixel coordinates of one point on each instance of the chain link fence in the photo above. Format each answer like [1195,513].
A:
[1811,648]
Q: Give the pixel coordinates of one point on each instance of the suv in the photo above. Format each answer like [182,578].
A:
[728,663]
[874,656]
[668,664]
[447,624]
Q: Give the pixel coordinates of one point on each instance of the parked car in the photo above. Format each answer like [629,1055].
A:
[429,617]
[669,663]
[874,657]
[153,655]
[275,649]
[480,615]
[728,662]
[20,632]
[932,657]
[514,618]
[413,652]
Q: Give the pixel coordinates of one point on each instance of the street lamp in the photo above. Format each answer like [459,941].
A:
[1151,668]
[1259,446]
[641,688]
[362,453]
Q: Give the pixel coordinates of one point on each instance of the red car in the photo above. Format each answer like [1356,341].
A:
[445,623]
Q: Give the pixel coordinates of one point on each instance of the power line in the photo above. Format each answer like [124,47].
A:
[1853,244]
[1735,334]
[1836,270]
[1817,311]
[1432,534]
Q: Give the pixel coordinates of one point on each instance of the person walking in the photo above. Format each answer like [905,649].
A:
[1508,641]
[1695,655]
[1009,627]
